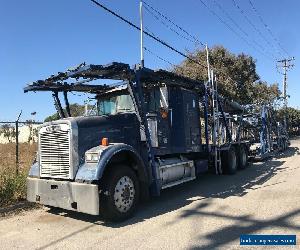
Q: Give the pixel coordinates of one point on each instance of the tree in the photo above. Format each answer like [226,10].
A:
[293,119]
[8,132]
[33,132]
[76,110]
[236,75]
[266,95]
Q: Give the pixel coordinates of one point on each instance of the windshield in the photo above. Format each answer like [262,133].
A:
[115,104]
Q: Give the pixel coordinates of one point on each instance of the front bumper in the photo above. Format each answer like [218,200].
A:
[68,195]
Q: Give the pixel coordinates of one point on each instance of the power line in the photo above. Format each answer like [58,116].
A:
[252,25]
[157,39]
[160,16]
[267,27]
[231,29]
[177,26]
[151,35]
[240,28]
[230,18]
[168,26]
[159,57]
[173,23]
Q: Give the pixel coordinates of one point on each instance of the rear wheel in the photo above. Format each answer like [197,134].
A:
[242,157]
[119,193]
[229,161]
[283,145]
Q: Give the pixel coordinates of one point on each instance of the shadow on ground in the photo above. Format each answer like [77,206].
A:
[206,186]
[242,225]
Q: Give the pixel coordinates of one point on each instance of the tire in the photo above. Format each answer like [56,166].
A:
[119,194]
[242,157]
[283,145]
[229,161]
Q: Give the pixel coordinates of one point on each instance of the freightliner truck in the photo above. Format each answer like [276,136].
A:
[153,130]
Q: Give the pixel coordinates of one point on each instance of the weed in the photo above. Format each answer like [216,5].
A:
[12,186]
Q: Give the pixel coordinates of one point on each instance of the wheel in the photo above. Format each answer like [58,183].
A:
[119,193]
[242,157]
[281,145]
[229,161]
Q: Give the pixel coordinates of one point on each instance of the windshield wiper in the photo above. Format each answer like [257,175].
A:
[124,109]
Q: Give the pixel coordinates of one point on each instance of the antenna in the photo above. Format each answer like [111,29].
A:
[142,33]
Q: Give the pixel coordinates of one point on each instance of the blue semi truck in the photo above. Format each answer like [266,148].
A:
[151,131]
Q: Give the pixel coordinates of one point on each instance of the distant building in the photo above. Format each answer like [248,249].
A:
[26,133]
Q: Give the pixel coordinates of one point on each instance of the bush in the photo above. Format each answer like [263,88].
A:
[12,187]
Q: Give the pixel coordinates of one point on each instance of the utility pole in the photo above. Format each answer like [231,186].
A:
[286,64]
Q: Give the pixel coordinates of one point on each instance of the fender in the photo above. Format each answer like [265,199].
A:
[89,172]
[34,170]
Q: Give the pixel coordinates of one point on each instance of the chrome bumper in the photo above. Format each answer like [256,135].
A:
[68,195]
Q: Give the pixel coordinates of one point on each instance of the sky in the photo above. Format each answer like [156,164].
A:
[40,38]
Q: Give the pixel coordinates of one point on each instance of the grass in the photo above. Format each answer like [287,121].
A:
[13,186]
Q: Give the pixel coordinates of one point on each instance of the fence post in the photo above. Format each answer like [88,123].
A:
[17,143]
[17,147]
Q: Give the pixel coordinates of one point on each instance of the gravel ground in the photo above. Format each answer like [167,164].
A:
[210,213]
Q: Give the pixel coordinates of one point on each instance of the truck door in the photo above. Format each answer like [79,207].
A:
[158,116]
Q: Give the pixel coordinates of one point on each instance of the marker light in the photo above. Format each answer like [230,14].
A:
[104,141]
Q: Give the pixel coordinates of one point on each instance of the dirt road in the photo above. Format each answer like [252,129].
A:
[208,213]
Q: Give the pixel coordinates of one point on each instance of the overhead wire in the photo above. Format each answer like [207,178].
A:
[159,57]
[168,26]
[151,35]
[162,16]
[173,23]
[253,25]
[231,29]
[229,17]
[154,37]
[263,50]
[267,28]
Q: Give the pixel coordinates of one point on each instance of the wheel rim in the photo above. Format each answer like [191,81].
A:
[124,194]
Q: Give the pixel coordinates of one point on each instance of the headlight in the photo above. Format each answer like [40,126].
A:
[91,157]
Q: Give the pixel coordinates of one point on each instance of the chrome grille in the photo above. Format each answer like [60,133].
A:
[55,160]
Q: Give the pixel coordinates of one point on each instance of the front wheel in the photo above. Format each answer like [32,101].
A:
[119,193]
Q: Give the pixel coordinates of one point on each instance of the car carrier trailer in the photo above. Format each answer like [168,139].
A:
[265,133]
[146,137]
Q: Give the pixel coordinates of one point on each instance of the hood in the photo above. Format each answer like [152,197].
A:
[119,128]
